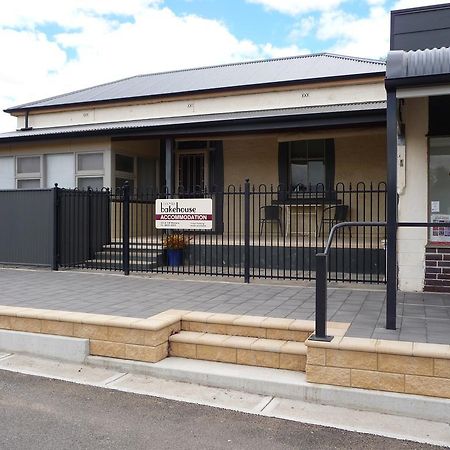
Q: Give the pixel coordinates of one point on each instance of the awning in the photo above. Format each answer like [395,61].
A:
[244,121]
[418,68]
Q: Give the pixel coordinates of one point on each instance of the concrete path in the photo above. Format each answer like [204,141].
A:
[76,416]
[422,317]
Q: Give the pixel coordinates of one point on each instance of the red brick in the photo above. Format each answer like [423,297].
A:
[433,257]
[437,289]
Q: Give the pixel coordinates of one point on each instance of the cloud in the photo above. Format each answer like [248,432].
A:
[404,4]
[294,7]
[106,40]
[303,28]
[353,35]
[270,51]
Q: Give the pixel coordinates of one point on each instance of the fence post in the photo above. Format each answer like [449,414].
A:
[126,229]
[321,299]
[247,231]
[91,253]
[55,258]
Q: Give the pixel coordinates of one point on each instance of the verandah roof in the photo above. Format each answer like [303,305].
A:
[286,118]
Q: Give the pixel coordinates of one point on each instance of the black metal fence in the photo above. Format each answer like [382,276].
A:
[27,227]
[258,232]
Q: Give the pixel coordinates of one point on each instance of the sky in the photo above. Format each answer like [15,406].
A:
[49,47]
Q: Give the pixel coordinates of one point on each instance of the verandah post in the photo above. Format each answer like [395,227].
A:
[247,231]
[126,229]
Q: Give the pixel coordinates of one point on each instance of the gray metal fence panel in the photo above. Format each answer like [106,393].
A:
[26,227]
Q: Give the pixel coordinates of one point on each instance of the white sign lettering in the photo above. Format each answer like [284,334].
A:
[184,214]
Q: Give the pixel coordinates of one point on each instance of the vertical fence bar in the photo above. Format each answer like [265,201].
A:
[126,229]
[55,258]
[247,231]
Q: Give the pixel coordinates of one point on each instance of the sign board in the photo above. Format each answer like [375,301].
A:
[440,234]
[184,214]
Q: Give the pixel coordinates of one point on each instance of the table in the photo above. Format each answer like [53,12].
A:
[310,209]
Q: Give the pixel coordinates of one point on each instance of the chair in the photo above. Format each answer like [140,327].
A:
[340,215]
[270,214]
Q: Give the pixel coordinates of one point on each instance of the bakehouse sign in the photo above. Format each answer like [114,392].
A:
[184,214]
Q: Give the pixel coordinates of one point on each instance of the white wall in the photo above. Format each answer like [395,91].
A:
[413,197]
[57,150]
[196,105]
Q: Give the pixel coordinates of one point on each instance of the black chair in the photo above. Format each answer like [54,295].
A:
[270,214]
[340,215]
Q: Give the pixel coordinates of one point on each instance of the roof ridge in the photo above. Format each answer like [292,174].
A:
[265,60]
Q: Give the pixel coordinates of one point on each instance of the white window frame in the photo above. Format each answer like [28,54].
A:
[30,175]
[96,173]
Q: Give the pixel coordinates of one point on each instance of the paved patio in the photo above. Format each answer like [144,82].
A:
[422,317]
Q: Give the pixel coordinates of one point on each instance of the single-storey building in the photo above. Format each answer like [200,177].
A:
[312,133]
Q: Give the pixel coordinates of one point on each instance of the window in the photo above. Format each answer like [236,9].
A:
[125,170]
[28,172]
[90,170]
[305,166]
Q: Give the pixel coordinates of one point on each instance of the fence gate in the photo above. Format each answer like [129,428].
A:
[258,232]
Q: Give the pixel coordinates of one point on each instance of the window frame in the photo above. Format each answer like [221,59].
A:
[94,173]
[286,193]
[28,176]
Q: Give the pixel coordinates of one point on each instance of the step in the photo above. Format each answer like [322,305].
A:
[138,255]
[135,246]
[248,326]
[250,351]
[117,264]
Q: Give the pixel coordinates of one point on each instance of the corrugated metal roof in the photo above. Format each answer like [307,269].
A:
[281,70]
[418,63]
[194,119]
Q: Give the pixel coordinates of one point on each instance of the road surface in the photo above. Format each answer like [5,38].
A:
[40,413]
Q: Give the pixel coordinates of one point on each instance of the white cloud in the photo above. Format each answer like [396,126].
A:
[294,7]
[270,51]
[403,4]
[303,28]
[154,39]
[366,37]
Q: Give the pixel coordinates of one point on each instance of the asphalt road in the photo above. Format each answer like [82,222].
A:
[39,413]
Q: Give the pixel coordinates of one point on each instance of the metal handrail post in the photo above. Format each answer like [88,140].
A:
[321,280]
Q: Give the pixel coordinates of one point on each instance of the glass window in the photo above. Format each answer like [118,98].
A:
[95,183]
[28,164]
[307,165]
[439,188]
[124,163]
[90,161]
[28,184]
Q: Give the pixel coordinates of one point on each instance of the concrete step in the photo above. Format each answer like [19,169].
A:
[250,351]
[112,264]
[249,326]
[136,254]
[135,246]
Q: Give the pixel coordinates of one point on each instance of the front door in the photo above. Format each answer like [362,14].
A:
[192,172]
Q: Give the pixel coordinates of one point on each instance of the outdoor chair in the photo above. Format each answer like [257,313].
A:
[332,215]
[270,214]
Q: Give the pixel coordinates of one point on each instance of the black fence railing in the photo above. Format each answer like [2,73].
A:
[258,232]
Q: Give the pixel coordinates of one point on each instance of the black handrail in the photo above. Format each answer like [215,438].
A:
[321,280]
